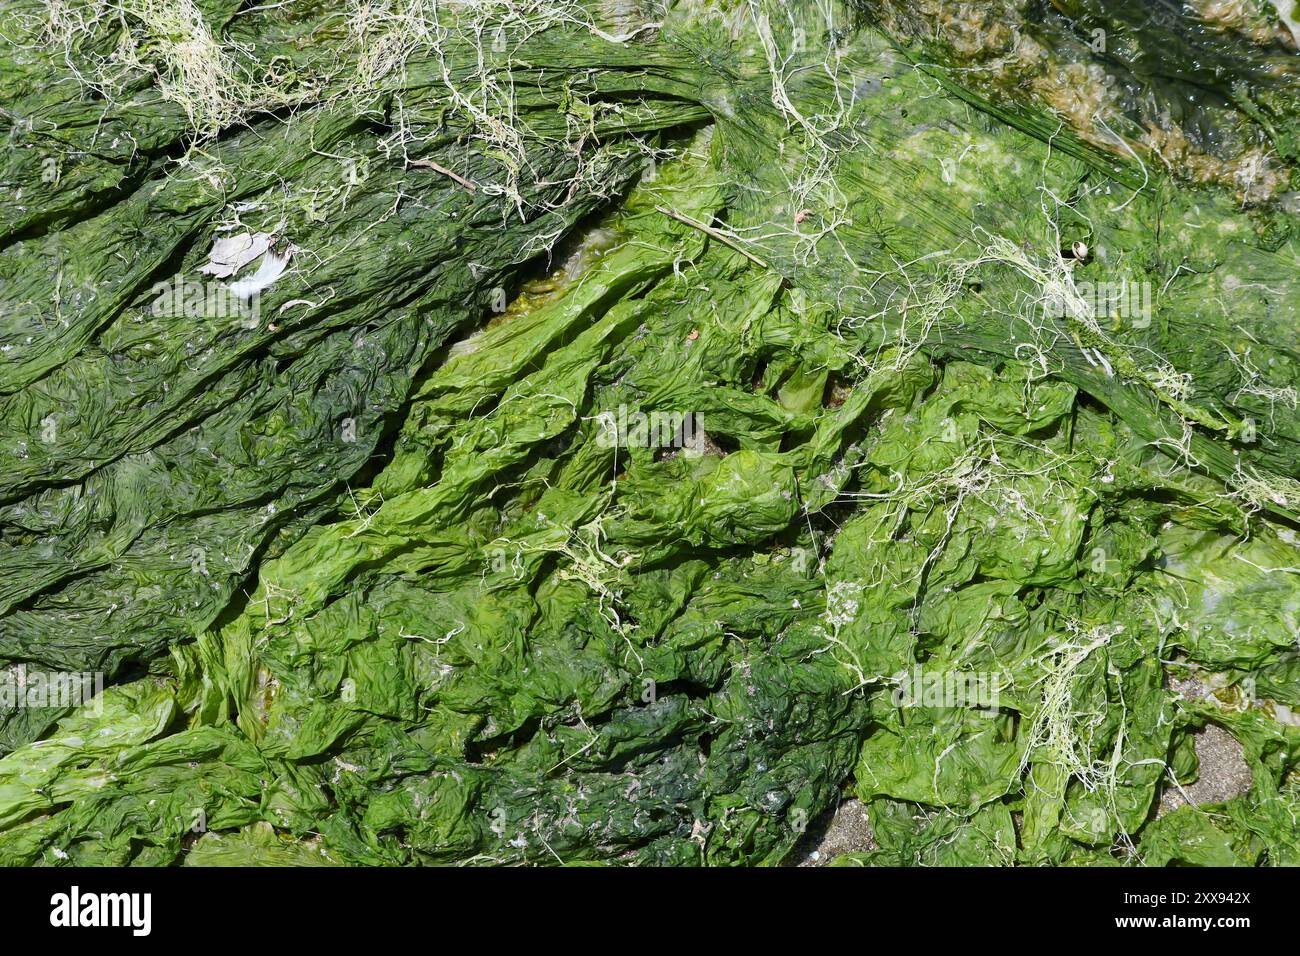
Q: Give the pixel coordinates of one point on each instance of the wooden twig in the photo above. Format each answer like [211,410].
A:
[710,231]
[439,168]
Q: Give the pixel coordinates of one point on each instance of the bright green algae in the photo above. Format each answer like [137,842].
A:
[485,634]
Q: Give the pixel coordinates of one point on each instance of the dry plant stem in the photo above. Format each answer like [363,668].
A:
[713,233]
[455,177]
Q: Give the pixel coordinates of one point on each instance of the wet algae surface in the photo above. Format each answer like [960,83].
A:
[553,432]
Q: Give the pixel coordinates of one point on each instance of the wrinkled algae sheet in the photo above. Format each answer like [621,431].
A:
[548,431]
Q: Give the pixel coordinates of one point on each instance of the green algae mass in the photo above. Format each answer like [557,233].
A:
[983,437]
